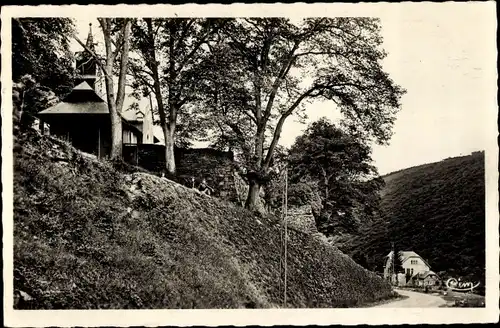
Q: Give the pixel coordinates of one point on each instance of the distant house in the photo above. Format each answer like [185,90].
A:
[142,119]
[83,117]
[411,262]
[425,279]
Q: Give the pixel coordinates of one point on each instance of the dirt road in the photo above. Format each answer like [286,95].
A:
[414,300]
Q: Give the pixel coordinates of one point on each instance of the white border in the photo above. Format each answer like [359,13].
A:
[90,318]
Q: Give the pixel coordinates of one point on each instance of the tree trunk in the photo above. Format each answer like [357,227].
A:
[169,133]
[116,127]
[253,194]
[115,118]
[122,78]
[256,166]
[116,122]
[116,136]
[172,106]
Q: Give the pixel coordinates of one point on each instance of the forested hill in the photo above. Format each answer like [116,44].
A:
[436,210]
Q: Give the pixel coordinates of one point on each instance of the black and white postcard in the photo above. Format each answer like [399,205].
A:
[250,164]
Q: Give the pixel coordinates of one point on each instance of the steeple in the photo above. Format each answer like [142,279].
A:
[90,38]
[86,66]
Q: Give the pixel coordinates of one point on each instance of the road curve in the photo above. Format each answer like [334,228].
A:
[414,300]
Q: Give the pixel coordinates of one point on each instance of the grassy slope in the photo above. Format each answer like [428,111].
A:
[88,236]
[437,210]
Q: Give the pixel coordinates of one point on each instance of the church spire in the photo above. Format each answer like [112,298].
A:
[86,66]
[90,38]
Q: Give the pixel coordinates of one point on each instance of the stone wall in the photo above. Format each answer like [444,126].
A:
[302,219]
[216,167]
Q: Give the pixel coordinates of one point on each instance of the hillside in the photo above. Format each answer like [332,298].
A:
[87,235]
[436,210]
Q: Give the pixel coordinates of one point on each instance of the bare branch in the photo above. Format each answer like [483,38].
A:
[197,45]
[257,27]
[250,115]
[135,68]
[279,126]
[123,66]
[120,38]
[277,82]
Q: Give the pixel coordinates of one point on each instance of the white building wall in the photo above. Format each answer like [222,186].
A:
[416,264]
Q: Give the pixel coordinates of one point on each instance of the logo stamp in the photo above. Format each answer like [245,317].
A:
[461,286]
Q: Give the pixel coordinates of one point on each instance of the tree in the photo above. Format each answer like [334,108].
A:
[116,32]
[339,57]
[340,165]
[40,49]
[361,259]
[122,44]
[170,50]
[397,264]
[41,62]
[34,98]
[275,186]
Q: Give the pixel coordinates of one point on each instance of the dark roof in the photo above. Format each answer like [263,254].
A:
[83,92]
[81,100]
[77,108]
[130,126]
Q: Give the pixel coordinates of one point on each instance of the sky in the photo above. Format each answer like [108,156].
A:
[446,60]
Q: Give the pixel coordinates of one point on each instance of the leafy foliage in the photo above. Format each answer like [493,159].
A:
[170,50]
[270,61]
[40,49]
[436,210]
[41,64]
[340,165]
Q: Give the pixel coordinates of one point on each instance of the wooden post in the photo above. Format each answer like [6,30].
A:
[41,127]
[98,142]
[152,120]
[286,231]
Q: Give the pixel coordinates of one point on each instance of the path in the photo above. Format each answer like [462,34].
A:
[414,300]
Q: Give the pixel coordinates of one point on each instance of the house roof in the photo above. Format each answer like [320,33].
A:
[132,115]
[424,274]
[137,116]
[81,100]
[405,255]
[77,108]
[84,86]
[83,92]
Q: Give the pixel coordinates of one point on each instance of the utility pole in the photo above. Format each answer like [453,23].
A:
[286,231]
[393,258]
